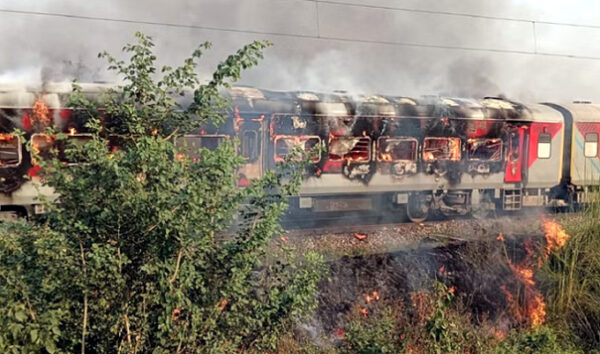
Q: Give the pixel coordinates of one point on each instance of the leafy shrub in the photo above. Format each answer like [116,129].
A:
[129,259]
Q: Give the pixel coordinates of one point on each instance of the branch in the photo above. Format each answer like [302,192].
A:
[85,300]
[179,255]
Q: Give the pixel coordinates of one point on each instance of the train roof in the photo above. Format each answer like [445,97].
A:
[542,113]
[584,112]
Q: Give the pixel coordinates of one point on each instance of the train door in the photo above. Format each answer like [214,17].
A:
[251,134]
[515,155]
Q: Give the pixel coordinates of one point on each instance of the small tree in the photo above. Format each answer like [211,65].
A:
[130,258]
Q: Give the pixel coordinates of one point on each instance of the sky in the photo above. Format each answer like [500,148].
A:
[328,45]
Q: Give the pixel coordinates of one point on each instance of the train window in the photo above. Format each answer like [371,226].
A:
[435,149]
[250,147]
[192,143]
[47,146]
[349,148]
[285,143]
[591,145]
[396,149]
[10,150]
[484,149]
[544,146]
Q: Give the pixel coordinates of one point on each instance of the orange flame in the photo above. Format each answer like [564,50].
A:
[386,157]
[374,296]
[6,137]
[340,333]
[360,237]
[72,131]
[41,112]
[500,237]
[556,236]
[223,304]
[363,311]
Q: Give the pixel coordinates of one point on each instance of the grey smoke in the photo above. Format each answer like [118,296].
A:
[55,48]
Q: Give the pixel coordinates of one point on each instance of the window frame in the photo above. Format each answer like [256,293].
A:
[499,159]
[19,152]
[397,139]
[585,144]
[342,158]
[255,152]
[454,138]
[69,135]
[539,142]
[306,138]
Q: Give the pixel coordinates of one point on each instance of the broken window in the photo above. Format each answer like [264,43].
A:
[250,147]
[484,149]
[350,149]
[10,150]
[435,149]
[48,147]
[285,143]
[544,146]
[396,149]
[192,143]
[591,145]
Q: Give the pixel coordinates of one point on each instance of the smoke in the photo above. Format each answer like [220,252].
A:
[61,48]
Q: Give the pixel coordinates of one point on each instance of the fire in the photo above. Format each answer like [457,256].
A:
[499,334]
[6,137]
[374,296]
[41,113]
[386,157]
[500,237]
[223,304]
[72,131]
[530,305]
[364,312]
[360,237]
[340,333]
[428,156]
[556,236]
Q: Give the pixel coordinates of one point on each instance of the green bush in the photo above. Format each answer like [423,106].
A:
[129,258]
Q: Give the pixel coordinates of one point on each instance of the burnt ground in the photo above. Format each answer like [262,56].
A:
[398,259]
[476,268]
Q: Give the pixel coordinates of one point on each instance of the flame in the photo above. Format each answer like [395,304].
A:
[428,156]
[364,133]
[443,269]
[6,137]
[360,237]
[530,307]
[499,334]
[363,311]
[556,236]
[175,314]
[223,304]
[72,131]
[500,237]
[386,157]
[340,333]
[41,113]
[374,296]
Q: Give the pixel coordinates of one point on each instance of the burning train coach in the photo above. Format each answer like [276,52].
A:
[433,154]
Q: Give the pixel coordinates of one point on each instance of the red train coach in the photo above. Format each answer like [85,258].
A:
[449,155]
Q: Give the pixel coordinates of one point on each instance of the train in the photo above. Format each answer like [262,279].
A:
[427,155]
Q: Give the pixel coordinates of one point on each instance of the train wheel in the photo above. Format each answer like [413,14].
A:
[417,208]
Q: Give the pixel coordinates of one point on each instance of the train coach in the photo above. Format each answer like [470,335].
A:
[433,154]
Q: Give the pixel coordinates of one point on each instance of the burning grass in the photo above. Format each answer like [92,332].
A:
[477,296]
